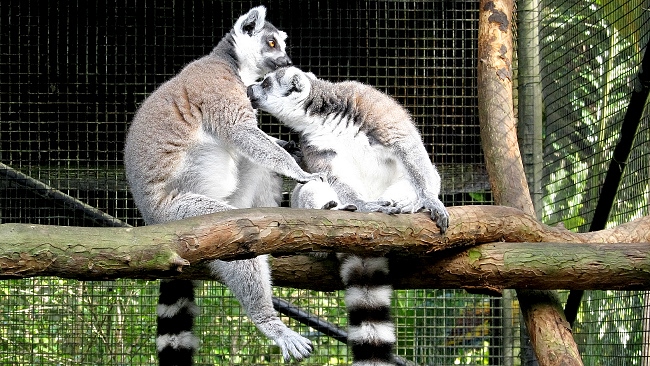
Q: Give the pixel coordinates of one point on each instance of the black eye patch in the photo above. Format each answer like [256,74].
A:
[266,83]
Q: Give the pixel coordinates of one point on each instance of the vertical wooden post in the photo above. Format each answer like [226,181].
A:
[550,333]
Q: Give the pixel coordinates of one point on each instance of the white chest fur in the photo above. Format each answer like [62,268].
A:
[366,167]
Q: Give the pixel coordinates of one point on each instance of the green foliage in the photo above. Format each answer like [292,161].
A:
[590,51]
[627,17]
[608,330]
[54,321]
[590,57]
[48,321]
[444,327]
[480,197]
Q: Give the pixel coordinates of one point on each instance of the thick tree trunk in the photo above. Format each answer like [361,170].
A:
[550,333]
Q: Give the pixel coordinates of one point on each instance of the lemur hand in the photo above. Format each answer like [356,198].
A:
[313,176]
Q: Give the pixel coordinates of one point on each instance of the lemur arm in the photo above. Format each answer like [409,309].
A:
[348,195]
[424,176]
[262,149]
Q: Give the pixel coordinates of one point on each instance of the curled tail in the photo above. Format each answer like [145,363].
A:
[175,341]
[371,332]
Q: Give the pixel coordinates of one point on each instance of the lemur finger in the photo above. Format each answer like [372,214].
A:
[329,205]
[349,207]
[300,349]
[287,353]
[408,206]
[391,210]
[377,206]
[407,209]
[383,203]
[305,349]
[313,176]
[442,220]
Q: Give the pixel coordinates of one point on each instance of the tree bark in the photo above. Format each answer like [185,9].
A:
[550,333]
[491,268]
[420,256]
[495,107]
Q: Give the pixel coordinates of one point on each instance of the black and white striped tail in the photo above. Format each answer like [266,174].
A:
[371,332]
[175,341]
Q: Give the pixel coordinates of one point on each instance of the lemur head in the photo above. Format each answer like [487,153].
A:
[260,47]
[282,92]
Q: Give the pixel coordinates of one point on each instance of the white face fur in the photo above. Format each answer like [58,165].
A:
[260,47]
[282,93]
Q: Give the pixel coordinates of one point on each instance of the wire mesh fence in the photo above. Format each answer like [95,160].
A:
[591,54]
[72,74]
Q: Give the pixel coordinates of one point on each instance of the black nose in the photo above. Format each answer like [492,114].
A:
[283,61]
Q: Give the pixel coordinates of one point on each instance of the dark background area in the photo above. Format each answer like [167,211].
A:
[72,74]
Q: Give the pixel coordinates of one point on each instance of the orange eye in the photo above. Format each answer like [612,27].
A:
[271,43]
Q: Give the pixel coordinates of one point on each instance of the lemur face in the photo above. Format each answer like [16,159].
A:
[281,92]
[260,46]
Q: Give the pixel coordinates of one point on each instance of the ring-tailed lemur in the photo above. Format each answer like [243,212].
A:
[376,161]
[194,148]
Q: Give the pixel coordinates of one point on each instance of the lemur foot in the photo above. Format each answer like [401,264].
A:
[333,205]
[329,205]
[386,207]
[408,205]
[349,207]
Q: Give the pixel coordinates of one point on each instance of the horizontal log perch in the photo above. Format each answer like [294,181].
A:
[490,268]
[422,257]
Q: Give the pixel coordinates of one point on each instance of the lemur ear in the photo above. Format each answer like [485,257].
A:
[251,22]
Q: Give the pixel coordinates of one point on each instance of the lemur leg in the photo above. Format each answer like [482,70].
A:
[249,280]
[255,296]
[176,309]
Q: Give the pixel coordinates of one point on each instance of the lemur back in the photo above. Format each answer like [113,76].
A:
[194,148]
[375,161]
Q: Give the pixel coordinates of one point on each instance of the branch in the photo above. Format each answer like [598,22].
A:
[550,334]
[490,268]
[421,257]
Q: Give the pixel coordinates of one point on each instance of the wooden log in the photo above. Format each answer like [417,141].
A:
[491,268]
[549,332]
[420,256]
